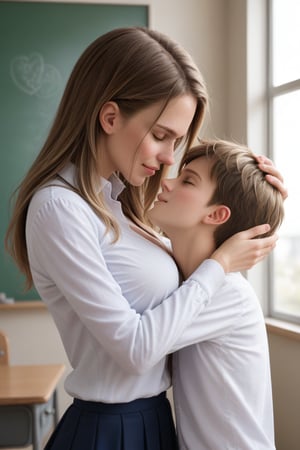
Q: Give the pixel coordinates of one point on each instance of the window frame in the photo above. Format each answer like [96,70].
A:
[272,93]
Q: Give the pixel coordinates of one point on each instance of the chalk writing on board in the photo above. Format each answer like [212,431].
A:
[32,76]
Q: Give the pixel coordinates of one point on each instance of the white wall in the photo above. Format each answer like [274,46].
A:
[285,368]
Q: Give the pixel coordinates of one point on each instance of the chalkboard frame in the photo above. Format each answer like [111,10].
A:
[39,44]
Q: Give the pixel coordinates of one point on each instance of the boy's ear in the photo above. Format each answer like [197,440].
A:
[108,117]
[219,215]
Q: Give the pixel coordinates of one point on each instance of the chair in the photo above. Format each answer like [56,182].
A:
[4,349]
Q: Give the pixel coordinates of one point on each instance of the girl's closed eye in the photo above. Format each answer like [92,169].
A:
[158,137]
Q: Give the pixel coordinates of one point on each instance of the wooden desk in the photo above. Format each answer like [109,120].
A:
[28,404]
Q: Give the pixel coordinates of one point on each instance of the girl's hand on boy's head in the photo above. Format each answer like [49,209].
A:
[242,251]
[273,176]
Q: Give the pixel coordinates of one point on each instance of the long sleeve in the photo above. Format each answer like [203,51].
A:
[64,243]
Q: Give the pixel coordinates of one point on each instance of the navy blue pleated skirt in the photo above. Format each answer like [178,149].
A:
[143,424]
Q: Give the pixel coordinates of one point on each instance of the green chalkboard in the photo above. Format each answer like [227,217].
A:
[39,45]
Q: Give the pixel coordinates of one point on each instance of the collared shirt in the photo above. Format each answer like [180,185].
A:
[222,385]
[107,298]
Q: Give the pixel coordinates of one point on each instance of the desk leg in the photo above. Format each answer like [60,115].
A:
[55,405]
[36,434]
[44,418]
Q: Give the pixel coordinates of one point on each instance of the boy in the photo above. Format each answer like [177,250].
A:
[222,383]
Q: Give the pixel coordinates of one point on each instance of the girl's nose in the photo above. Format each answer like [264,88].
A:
[167,157]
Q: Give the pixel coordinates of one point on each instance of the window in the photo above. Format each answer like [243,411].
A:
[284,142]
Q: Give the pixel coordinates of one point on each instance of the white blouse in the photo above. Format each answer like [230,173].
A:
[222,385]
[107,298]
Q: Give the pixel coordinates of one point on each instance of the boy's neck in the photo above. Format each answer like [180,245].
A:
[190,250]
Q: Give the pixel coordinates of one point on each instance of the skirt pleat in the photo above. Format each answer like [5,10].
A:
[63,435]
[143,424]
[133,431]
[109,433]
[82,440]
[168,440]
[151,425]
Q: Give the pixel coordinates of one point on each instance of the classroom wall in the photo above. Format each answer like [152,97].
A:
[285,368]
[208,31]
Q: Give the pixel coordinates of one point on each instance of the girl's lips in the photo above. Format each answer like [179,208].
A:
[150,170]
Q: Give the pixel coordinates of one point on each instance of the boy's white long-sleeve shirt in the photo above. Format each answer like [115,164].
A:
[106,299]
[222,385]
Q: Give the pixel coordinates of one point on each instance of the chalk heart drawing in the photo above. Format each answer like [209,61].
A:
[50,83]
[32,76]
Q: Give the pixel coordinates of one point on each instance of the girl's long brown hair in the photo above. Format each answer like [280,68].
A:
[135,67]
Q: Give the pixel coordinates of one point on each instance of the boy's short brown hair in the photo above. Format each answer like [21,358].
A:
[241,186]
